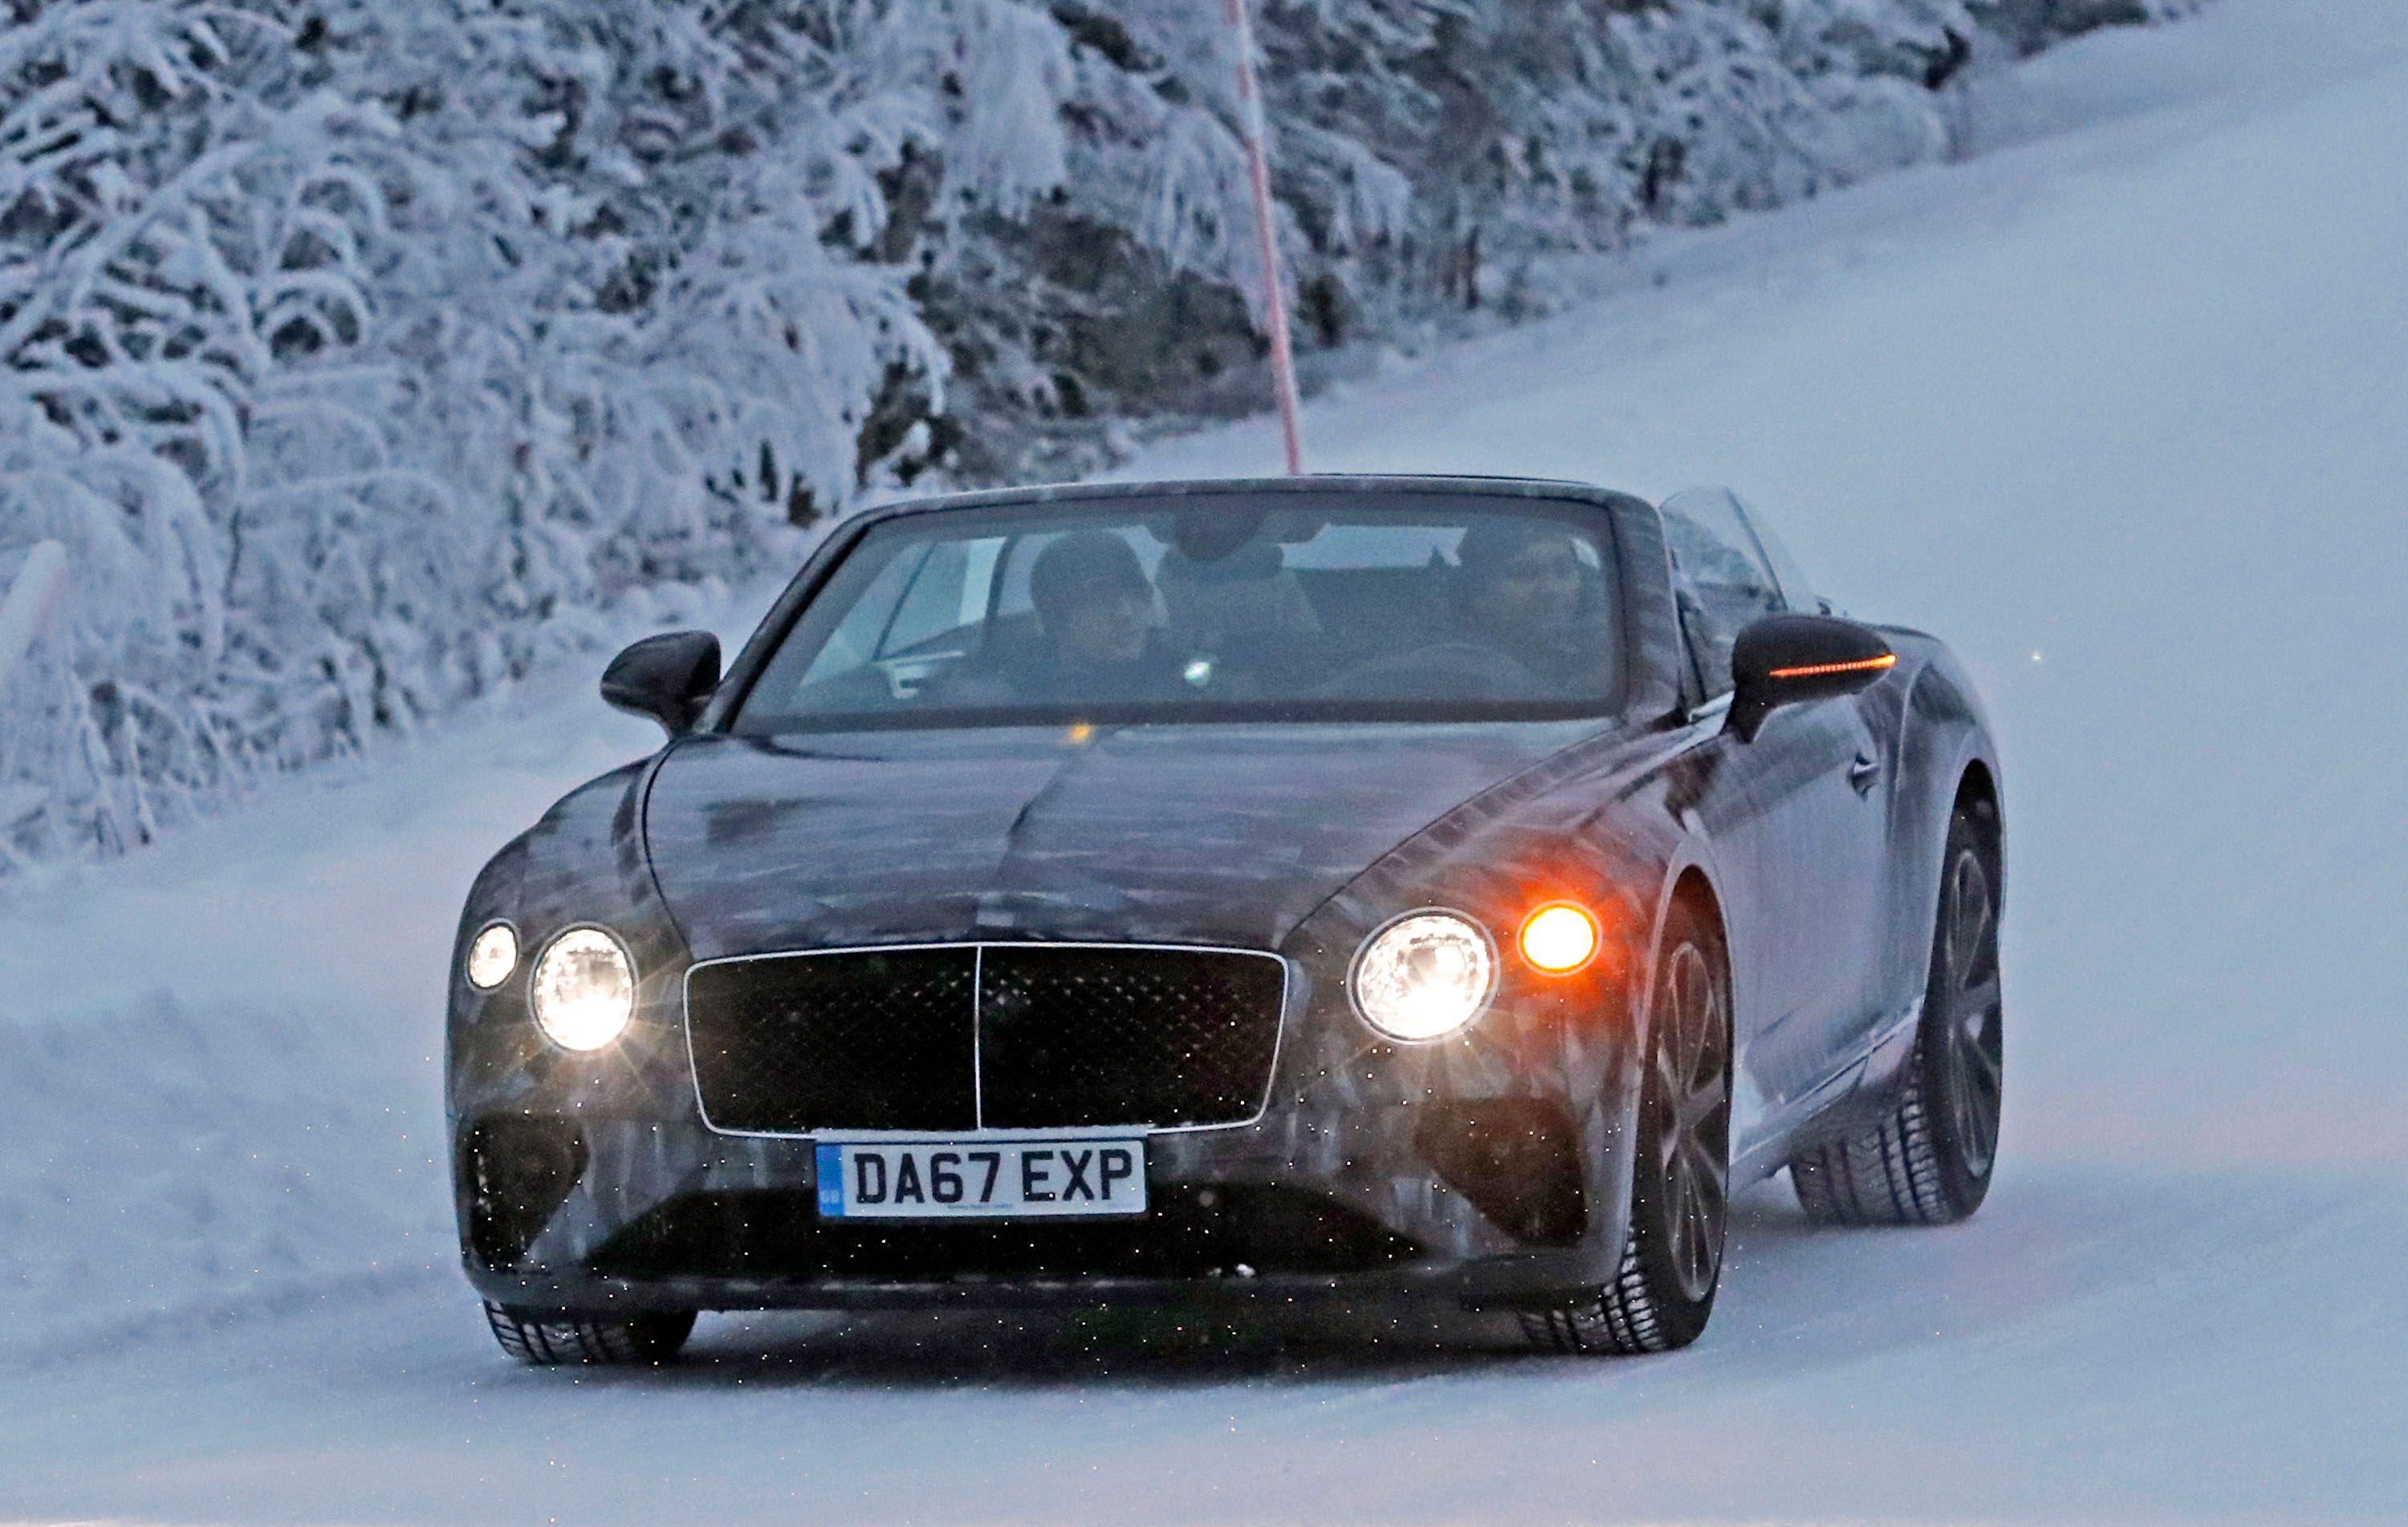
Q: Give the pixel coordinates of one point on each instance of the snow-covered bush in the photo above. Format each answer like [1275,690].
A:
[361,351]
[366,354]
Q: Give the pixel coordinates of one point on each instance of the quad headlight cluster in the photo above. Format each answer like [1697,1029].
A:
[1421,977]
[583,988]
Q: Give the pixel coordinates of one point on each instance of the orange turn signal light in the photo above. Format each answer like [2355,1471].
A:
[1559,939]
[1819,670]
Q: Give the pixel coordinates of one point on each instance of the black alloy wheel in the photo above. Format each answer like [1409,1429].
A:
[551,1340]
[1971,1047]
[1663,1293]
[1930,1161]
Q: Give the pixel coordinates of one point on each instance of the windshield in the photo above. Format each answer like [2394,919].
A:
[1219,606]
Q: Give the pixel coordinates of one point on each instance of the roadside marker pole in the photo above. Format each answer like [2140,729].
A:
[1258,169]
[31,600]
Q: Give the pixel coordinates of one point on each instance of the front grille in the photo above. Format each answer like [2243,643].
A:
[994,1036]
[881,1039]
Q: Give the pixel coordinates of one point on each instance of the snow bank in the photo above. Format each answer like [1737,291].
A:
[171,1165]
[219,1063]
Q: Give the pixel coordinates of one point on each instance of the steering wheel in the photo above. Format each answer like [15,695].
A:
[1450,670]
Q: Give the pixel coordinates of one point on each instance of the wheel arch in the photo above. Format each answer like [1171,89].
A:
[1690,886]
[1692,890]
[1946,759]
[1688,882]
[1977,790]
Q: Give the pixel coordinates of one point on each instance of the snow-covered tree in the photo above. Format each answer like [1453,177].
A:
[367,353]
[362,351]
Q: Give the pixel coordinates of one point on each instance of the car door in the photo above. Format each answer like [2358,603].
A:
[1872,723]
[1795,817]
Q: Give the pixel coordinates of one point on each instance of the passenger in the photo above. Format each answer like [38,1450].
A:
[1525,593]
[1096,607]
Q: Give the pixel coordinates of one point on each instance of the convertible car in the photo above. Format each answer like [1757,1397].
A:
[1371,889]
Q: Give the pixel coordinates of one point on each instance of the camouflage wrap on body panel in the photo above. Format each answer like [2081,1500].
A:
[1295,839]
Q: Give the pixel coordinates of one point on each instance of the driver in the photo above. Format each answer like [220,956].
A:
[1095,606]
[1525,593]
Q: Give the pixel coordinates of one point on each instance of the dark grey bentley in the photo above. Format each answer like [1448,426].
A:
[1363,888]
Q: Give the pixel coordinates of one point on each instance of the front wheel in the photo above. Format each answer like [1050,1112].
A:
[1930,1161]
[549,1340]
[1663,1292]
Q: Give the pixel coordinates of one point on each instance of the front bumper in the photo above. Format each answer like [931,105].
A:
[1490,1170]
[673,1217]
[1496,1283]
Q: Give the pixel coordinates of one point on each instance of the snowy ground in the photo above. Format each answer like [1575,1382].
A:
[2120,409]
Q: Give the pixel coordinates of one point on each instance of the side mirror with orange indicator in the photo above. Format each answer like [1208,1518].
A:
[1783,660]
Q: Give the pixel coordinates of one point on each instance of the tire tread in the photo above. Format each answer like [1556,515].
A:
[1897,1172]
[1621,1321]
[547,1341]
[1888,1175]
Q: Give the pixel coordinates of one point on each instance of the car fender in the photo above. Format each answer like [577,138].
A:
[1945,735]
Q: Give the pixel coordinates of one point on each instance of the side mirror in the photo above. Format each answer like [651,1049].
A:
[665,677]
[1784,658]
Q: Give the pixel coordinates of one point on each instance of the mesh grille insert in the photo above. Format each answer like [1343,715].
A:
[880,1040]
[1071,1036]
[1053,1035]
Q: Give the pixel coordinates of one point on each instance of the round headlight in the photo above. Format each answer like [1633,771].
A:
[584,989]
[1423,976]
[492,957]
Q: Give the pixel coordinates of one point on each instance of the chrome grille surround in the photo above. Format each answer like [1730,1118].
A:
[1058,1035]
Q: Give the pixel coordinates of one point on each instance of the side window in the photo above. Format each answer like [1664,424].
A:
[934,605]
[1797,588]
[943,614]
[917,618]
[1720,577]
[854,643]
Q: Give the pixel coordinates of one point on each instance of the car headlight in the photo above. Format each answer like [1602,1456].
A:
[492,956]
[1423,976]
[584,989]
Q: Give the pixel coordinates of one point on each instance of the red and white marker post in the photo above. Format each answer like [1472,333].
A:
[1258,169]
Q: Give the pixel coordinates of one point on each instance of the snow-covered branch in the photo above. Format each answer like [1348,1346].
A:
[363,353]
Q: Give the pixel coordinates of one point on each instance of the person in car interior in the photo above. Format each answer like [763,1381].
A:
[1095,607]
[1523,592]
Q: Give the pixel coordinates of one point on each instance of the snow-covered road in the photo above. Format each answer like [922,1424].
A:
[2121,411]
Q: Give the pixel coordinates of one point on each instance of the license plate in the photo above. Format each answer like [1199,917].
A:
[1013,1178]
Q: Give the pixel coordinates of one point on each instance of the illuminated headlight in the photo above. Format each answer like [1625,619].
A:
[492,956]
[584,989]
[1423,976]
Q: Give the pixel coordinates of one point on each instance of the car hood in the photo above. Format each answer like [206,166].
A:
[1217,834]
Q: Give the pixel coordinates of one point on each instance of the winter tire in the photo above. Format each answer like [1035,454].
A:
[1930,1161]
[1672,1260]
[552,1340]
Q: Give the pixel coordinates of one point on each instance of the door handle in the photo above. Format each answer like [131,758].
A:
[1863,772]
